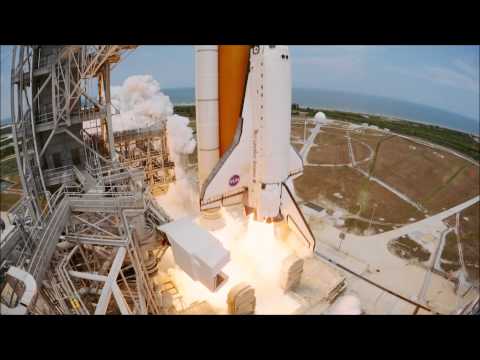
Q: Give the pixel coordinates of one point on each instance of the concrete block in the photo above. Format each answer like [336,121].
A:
[291,272]
[241,300]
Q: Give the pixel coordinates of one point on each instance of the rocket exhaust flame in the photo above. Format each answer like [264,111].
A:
[256,256]
[254,171]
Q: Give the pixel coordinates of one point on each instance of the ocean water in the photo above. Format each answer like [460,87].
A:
[338,100]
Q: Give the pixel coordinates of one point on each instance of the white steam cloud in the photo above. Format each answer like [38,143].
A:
[181,139]
[256,258]
[140,102]
[142,105]
[256,252]
[346,305]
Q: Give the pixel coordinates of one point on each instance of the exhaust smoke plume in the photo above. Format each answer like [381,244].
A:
[256,251]
[142,105]
[346,305]
[256,257]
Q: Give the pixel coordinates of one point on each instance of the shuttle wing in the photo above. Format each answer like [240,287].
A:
[230,177]
[294,217]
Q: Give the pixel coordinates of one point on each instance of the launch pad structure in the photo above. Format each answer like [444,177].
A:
[85,228]
[147,148]
[88,236]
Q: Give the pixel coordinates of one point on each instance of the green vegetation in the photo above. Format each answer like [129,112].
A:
[451,260]
[9,167]
[442,186]
[7,151]
[363,194]
[5,130]
[7,200]
[407,248]
[355,225]
[456,140]
[185,110]
[295,109]
[5,141]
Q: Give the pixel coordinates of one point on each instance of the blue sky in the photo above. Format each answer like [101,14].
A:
[445,77]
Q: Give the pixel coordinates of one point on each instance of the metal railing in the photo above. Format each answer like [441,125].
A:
[61,175]
[47,238]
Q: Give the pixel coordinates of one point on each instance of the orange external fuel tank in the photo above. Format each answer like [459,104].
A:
[233,62]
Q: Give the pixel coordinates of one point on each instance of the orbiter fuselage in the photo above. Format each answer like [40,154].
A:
[261,160]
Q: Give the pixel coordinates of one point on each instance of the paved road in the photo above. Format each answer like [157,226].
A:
[419,225]
[434,264]
[308,144]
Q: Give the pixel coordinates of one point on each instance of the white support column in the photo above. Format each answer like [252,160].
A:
[101,308]
[121,303]
[117,293]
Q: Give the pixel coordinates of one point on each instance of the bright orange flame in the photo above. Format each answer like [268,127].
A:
[256,258]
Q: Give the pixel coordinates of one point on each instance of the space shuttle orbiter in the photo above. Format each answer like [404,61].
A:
[260,161]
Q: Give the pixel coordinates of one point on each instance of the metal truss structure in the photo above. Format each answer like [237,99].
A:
[51,99]
[147,149]
[85,238]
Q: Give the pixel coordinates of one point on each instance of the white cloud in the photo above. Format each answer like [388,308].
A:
[442,75]
[452,78]
[330,63]
[332,49]
[468,69]
[334,62]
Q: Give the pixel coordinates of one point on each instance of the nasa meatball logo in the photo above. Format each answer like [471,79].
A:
[234,180]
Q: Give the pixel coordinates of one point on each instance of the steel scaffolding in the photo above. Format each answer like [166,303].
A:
[147,149]
[85,231]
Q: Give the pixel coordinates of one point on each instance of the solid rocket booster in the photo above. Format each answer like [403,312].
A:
[206,94]
[259,162]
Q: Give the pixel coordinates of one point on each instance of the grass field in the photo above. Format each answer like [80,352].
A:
[434,178]
[8,167]
[9,172]
[331,147]
[470,240]
[297,131]
[449,259]
[469,232]
[407,248]
[459,141]
[329,154]
[358,195]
